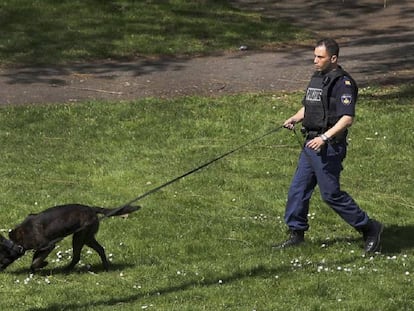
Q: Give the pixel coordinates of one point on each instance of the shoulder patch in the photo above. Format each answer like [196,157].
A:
[346,99]
[348,83]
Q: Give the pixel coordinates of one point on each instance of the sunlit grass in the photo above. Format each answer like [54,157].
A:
[203,243]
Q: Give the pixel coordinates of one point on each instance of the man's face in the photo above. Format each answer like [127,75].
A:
[323,61]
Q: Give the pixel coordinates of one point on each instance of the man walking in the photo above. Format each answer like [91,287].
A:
[328,111]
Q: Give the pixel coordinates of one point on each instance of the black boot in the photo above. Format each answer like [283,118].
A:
[371,234]
[295,238]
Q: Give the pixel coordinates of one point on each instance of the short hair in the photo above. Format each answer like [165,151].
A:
[331,46]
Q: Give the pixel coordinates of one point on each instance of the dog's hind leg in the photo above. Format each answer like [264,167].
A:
[94,244]
[78,242]
[39,256]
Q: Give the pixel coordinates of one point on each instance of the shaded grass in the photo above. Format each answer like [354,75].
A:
[204,243]
[52,32]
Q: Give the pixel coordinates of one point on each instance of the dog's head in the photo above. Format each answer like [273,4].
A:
[9,252]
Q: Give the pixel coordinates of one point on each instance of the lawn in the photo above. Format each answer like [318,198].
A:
[56,32]
[204,242]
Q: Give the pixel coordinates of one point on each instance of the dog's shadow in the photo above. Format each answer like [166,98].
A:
[98,268]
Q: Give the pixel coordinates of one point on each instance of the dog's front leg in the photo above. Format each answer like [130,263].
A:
[39,256]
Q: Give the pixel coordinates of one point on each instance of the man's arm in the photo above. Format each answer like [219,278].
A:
[343,123]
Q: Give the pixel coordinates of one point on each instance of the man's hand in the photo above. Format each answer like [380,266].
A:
[290,123]
[315,144]
[296,118]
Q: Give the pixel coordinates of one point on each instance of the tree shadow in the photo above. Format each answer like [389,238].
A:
[261,271]
[63,32]
[258,271]
[56,75]
[377,42]
[96,268]
[378,50]
[405,92]
[395,239]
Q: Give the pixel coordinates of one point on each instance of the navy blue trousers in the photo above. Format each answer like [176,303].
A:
[323,169]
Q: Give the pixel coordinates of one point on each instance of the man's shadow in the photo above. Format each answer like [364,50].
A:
[397,238]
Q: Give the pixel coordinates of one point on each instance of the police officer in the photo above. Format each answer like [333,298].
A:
[327,112]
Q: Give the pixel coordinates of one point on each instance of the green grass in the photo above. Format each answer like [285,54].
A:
[203,243]
[54,32]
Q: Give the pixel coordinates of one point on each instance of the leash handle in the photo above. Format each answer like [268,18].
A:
[192,171]
[302,147]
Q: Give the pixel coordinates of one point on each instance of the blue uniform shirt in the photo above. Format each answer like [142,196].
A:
[345,93]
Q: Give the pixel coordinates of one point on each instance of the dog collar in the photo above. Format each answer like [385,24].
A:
[18,249]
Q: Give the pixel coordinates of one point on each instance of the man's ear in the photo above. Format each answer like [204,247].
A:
[334,59]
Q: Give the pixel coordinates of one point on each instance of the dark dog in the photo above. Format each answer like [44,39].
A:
[42,231]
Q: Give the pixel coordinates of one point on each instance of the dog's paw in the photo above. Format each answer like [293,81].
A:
[38,265]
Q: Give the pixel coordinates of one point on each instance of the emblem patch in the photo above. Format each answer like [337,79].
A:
[348,83]
[346,99]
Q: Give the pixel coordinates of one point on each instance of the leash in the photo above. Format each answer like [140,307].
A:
[301,143]
[191,172]
[118,209]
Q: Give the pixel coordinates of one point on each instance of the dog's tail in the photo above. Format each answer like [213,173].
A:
[108,212]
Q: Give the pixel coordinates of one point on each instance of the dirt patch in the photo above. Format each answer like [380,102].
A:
[377,47]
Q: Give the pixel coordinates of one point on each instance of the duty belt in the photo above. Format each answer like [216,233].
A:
[311,134]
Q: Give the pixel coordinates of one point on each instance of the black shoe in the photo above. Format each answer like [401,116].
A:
[372,236]
[295,238]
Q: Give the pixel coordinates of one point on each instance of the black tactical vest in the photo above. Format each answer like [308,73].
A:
[320,107]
